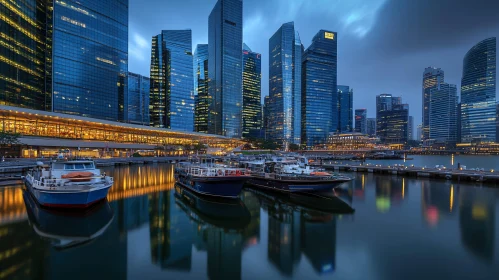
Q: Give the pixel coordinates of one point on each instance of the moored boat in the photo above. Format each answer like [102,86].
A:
[210,179]
[291,177]
[68,184]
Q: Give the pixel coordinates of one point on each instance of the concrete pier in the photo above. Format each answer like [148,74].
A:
[486,177]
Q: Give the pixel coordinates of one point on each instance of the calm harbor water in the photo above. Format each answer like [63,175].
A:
[402,229]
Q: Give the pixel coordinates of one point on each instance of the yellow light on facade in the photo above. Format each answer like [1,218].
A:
[329,35]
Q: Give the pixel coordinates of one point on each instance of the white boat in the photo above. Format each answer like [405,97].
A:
[68,184]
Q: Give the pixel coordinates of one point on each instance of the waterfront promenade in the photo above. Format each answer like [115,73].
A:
[490,177]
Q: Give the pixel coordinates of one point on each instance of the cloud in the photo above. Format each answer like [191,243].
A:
[139,48]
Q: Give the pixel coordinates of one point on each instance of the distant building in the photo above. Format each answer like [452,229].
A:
[252,91]
[202,98]
[361,121]
[458,123]
[410,127]
[371,127]
[478,93]
[225,40]
[285,85]
[432,78]
[419,132]
[443,114]
[319,90]
[172,90]
[265,117]
[345,109]
[351,141]
[138,99]
[392,119]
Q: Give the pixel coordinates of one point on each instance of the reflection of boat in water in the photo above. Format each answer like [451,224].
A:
[223,213]
[320,202]
[68,229]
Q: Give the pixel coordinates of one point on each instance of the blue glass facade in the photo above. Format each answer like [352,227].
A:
[361,121]
[478,93]
[319,89]
[285,85]
[201,88]
[90,58]
[137,104]
[345,109]
[172,89]
[432,78]
[225,41]
[26,54]
[252,92]
[443,113]
[392,119]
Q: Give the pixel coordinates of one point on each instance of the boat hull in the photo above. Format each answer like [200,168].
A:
[227,187]
[293,186]
[68,199]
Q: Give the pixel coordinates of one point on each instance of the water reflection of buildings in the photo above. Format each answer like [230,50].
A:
[477,221]
[437,201]
[293,230]
[171,233]
[251,234]
[389,190]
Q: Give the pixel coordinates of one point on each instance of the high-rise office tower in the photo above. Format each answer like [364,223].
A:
[285,84]
[138,99]
[26,54]
[478,92]
[252,87]
[419,132]
[392,119]
[225,41]
[172,89]
[266,114]
[432,78]
[345,109]
[371,127]
[201,88]
[410,127]
[319,89]
[90,58]
[443,113]
[361,121]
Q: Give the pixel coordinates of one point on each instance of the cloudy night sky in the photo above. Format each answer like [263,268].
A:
[383,45]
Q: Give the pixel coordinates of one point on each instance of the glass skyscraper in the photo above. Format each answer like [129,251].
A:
[345,109]
[171,102]
[432,78]
[478,93]
[285,85]
[90,58]
[225,41]
[443,113]
[252,87]
[371,127]
[392,119]
[361,121]
[201,88]
[137,104]
[26,54]
[319,89]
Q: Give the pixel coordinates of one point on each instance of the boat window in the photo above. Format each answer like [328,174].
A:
[69,166]
[89,165]
[79,166]
[58,166]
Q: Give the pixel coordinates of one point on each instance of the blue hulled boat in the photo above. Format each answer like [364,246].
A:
[68,184]
[211,180]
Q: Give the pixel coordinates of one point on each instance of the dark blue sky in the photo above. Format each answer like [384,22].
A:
[383,45]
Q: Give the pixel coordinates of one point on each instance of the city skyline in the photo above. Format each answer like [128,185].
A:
[366,38]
